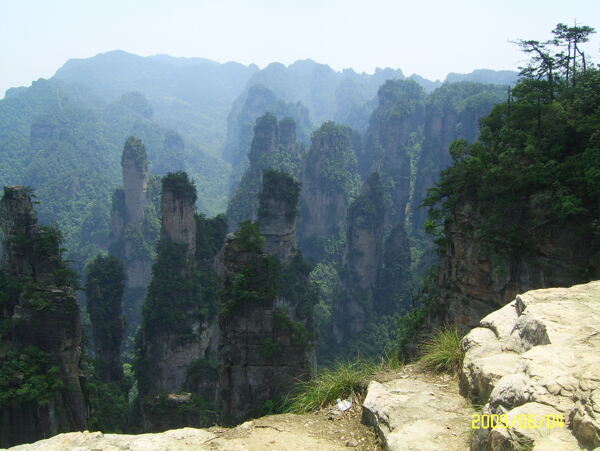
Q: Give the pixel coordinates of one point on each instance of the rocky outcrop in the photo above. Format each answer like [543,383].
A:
[266,337]
[330,180]
[41,372]
[177,206]
[277,214]
[135,179]
[251,105]
[538,356]
[131,240]
[417,411]
[475,278]
[273,146]
[179,335]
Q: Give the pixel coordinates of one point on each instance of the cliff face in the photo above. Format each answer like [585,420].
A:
[392,131]
[329,180]
[131,238]
[520,206]
[266,342]
[179,334]
[40,358]
[475,279]
[362,261]
[452,112]
[393,287]
[277,214]
[178,223]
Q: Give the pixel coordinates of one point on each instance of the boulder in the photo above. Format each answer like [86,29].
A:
[538,356]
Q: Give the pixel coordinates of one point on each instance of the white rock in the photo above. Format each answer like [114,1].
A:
[550,359]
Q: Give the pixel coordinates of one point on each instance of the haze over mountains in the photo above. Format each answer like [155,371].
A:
[87,109]
[238,228]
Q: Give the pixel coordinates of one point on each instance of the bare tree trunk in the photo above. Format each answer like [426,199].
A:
[568,61]
[575,50]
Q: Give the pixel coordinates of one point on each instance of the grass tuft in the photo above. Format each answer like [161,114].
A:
[442,353]
[343,380]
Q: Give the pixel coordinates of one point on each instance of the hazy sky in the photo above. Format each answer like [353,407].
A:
[430,38]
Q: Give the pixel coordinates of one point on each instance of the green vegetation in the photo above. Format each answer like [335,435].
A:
[408,327]
[110,406]
[28,376]
[210,235]
[66,143]
[135,150]
[180,185]
[174,296]
[398,99]
[298,288]
[298,332]
[279,186]
[182,292]
[535,166]
[249,238]
[369,205]
[338,170]
[42,273]
[341,380]
[104,287]
[257,280]
[344,379]
[441,352]
[200,371]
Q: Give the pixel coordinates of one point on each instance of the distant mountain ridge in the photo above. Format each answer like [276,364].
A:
[194,95]
[65,134]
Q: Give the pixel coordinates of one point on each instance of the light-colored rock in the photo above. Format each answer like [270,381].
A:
[174,440]
[413,414]
[542,358]
[533,423]
[272,433]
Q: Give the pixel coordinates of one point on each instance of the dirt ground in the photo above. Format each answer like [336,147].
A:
[323,430]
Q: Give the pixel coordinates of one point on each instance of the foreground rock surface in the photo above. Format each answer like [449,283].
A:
[418,412]
[538,356]
[319,431]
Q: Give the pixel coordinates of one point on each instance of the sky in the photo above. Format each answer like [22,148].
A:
[430,38]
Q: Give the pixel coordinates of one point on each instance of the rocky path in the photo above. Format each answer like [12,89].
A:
[418,411]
